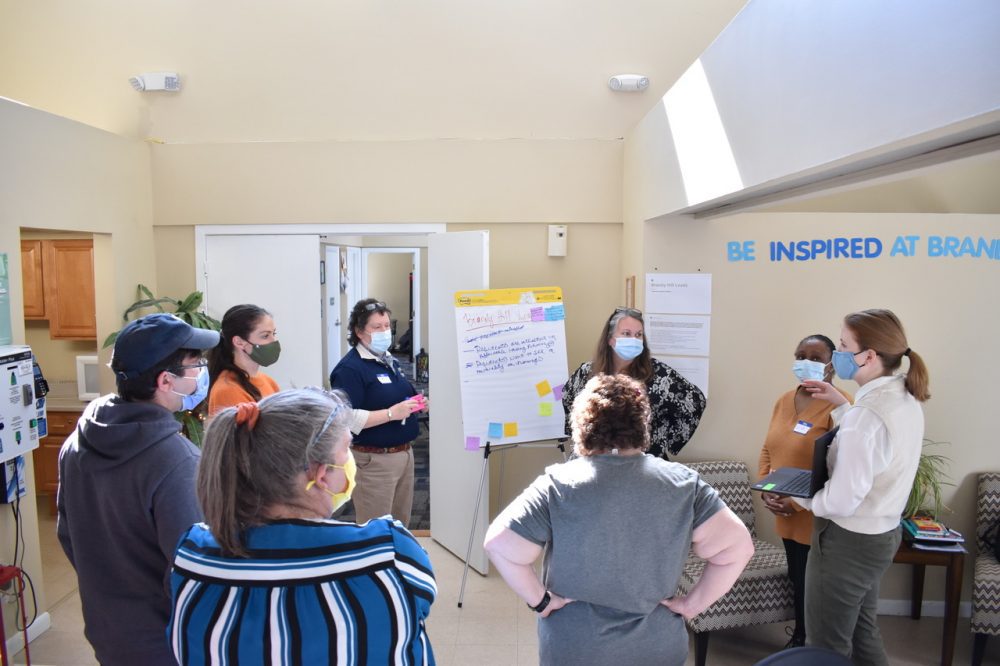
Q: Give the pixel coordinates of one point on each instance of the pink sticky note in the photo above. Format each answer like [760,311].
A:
[557,391]
[537,314]
[471,443]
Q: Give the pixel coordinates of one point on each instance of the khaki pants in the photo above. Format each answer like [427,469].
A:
[842,582]
[385,486]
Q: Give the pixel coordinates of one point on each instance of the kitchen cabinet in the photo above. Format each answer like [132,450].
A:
[46,457]
[64,271]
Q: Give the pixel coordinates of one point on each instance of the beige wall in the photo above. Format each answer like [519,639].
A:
[388,281]
[761,309]
[57,174]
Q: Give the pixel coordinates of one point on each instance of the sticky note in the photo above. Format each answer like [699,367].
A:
[545,409]
[543,387]
[768,486]
[510,429]
[471,443]
[495,431]
[537,314]
[555,313]
[557,391]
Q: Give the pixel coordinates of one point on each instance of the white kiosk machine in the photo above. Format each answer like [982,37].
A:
[18,417]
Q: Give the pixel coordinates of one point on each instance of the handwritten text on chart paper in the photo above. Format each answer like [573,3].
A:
[496,358]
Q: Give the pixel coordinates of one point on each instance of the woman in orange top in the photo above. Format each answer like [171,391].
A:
[247,342]
[797,421]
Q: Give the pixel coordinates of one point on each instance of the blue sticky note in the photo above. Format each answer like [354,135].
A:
[555,313]
[496,431]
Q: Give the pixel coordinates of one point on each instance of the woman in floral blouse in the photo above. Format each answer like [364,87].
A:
[676,404]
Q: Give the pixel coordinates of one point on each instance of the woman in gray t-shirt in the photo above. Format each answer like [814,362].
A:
[616,526]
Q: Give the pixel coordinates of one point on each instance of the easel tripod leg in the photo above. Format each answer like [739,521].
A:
[475,517]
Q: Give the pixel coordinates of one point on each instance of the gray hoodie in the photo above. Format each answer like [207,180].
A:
[126,494]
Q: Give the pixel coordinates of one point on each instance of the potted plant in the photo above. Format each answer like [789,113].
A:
[925,496]
[187,309]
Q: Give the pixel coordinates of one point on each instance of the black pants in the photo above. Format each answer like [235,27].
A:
[798,554]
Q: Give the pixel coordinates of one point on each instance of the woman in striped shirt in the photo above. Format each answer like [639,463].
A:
[271,579]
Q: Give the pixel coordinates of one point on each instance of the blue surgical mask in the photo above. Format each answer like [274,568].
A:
[628,348]
[805,369]
[200,391]
[844,364]
[380,342]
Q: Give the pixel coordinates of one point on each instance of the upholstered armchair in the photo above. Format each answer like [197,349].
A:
[763,592]
[986,578]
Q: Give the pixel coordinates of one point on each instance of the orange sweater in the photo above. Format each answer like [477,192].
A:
[783,447]
[227,392]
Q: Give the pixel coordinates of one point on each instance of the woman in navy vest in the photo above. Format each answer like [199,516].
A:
[383,401]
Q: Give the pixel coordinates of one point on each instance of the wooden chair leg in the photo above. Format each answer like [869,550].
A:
[700,648]
[978,648]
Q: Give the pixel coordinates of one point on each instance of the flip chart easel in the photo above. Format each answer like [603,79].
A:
[512,367]
[487,450]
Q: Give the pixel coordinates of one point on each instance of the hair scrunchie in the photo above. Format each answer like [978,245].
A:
[907,352]
[247,414]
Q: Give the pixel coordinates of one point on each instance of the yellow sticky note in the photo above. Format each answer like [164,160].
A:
[510,429]
[545,409]
[543,387]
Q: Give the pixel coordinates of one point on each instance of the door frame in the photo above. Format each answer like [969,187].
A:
[414,253]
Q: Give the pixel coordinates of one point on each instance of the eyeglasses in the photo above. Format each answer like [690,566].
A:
[629,312]
[377,305]
[203,363]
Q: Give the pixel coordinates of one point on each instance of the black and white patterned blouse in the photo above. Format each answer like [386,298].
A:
[675,404]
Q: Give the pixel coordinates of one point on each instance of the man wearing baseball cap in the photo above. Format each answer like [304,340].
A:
[126,489]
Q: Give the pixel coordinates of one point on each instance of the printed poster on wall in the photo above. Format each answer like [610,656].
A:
[512,364]
[678,322]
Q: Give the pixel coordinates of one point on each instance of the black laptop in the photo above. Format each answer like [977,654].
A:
[800,482]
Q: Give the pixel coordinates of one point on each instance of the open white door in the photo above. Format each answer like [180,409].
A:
[458,261]
[333,324]
[280,273]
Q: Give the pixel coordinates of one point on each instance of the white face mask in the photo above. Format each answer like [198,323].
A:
[805,369]
[381,340]
[628,348]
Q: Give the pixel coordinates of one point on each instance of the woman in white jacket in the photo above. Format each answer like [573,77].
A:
[872,462]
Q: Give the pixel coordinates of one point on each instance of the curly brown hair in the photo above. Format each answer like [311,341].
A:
[612,412]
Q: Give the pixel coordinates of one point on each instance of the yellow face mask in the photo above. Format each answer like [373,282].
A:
[350,471]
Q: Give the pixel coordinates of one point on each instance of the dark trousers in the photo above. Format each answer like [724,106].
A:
[797,555]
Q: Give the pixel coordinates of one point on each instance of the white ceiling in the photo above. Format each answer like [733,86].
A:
[316,70]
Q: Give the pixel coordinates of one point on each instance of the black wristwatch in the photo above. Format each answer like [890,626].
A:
[543,604]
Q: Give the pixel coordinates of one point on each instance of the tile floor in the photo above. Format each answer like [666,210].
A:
[493,627]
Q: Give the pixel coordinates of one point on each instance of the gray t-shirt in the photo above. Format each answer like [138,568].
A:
[618,531]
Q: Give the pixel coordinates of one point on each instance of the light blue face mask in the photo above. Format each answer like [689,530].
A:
[628,348]
[844,364]
[805,369]
[200,392]
[381,340]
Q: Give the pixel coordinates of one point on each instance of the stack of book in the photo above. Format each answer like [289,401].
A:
[927,534]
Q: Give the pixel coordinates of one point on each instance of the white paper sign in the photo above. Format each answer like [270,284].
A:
[678,334]
[679,293]
[692,368]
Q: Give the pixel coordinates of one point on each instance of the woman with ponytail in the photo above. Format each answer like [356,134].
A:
[270,578]
[872,461]
[247,342]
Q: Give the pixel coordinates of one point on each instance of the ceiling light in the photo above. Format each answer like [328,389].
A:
[628,82]
[169,81]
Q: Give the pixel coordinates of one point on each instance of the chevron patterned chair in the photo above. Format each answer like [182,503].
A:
[763,592]
[986,579]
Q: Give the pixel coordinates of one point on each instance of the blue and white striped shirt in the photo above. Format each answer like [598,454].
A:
[311,592]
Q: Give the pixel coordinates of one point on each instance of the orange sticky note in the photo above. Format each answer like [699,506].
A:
[545,409]
[510,429]
[543,387]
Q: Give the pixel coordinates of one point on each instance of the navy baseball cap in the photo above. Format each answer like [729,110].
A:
[148,340]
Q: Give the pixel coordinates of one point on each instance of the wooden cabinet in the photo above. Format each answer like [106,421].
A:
[46,457]
[63,271]
[33,279]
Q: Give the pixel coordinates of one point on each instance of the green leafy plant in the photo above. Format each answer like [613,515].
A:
[187,308]
[925,496]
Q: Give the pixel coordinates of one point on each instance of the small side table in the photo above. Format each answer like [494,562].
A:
[954,563]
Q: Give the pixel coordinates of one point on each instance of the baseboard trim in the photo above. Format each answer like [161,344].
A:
[927,608]
[41,624]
